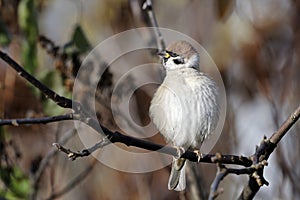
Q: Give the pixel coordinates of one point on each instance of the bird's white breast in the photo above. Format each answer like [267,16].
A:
[185,107]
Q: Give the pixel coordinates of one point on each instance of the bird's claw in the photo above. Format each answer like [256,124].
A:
[199,155]
[180,151]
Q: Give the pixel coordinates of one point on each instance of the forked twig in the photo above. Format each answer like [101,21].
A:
[72,155]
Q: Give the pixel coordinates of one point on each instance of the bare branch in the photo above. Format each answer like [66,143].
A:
[42,120]
[72,155]
[263,151]
[223,171]
[59,100]
[190,155]
[85,117]
[285,127]
[147,6]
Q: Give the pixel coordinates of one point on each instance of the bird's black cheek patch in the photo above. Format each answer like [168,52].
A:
[178,61]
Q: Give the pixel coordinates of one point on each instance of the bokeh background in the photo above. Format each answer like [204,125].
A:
[255,45]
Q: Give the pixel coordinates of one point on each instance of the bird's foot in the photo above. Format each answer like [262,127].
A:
[199,155]
[180,151]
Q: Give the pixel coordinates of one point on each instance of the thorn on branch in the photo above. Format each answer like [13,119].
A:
[265,137]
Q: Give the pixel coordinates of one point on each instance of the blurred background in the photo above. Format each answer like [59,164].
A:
[255,45]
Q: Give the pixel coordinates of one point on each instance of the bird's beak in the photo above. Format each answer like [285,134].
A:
[164,54]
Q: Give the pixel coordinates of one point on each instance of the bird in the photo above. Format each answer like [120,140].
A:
[185,108]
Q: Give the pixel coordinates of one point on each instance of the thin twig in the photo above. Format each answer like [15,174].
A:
[285,127]
[223,171]
[41,120]
[148,6]
[59,100]
[263,152]
[72,155]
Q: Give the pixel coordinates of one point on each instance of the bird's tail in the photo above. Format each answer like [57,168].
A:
[177,177]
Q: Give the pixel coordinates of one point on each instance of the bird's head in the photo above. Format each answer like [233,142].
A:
[180,54]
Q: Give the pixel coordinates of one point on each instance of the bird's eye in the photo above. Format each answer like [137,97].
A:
[178,61]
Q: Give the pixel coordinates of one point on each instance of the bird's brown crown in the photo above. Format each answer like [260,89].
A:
[182,48]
